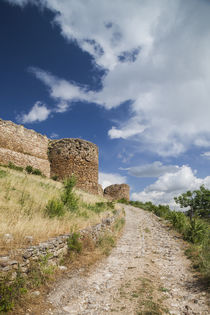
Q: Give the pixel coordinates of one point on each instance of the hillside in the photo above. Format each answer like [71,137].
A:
[23,200]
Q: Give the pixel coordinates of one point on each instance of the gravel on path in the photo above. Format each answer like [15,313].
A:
[147,270]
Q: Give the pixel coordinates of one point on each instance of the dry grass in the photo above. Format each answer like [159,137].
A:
[23,198]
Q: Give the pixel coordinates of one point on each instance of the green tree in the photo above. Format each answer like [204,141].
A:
[198,202]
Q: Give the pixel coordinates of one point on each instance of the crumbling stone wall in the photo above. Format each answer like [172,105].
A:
[116,192]
[78,157]
[55,247]
[23,147]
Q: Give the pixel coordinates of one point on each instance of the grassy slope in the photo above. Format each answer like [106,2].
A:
[23,198]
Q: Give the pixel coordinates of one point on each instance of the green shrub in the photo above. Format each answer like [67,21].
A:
[124,201]
[55,177]
[106,242]
[55,208]
[162,211]
[36,171]
[178,220]
[110,204]
[119,224]
[10,291]
[205,256]
[99,207]
[29,169]
[14,167]
[3,173]
[69,199]
[74,243]
[195,232]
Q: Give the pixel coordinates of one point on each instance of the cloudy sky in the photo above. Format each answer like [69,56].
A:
[131,76]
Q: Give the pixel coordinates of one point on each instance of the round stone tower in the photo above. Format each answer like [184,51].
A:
[117,191]
[75,157]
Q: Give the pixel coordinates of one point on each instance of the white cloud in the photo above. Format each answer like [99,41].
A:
[154,169]
[39,112]
[206,155]
[170,185]
[54,135]
[167,78]
[107,179]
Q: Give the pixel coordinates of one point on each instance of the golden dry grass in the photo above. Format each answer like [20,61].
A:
[23,198]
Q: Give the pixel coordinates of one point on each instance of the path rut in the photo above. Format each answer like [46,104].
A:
[146,268]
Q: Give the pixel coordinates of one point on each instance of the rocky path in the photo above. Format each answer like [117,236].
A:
[146,273]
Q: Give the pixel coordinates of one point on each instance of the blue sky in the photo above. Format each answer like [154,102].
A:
[131,76]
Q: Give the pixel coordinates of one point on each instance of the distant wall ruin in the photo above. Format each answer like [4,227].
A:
[117,192]
[23,147]
[78,157]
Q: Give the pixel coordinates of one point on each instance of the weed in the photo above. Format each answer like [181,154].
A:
[68,197]
[10,291]
[74,244]
[54,208]
[119,224]
[35,171]
[3,173]
[162,289]
[106,243]
[195,231]
[29,169]
[14,167]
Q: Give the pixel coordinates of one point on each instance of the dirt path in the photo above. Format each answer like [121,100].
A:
[146,273]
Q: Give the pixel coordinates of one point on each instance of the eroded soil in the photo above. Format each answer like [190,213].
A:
[146,273]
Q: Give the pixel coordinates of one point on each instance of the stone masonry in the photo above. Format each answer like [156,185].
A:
[78,157]
[23,147]
[55,248]
[116,192]
[61,158]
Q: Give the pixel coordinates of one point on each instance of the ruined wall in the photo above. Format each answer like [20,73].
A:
[55,248]
[116,192]
[23,147]
[78,157]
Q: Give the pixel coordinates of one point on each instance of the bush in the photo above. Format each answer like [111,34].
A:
[55,177]
[29,169]
[205,256]
[178,220]
[73,243]
[162,211]
[3,173]
[36,171]
[14,167]
[110,204]
[55,208]
[195,232]
[10,291]
[124,201]
[68,197]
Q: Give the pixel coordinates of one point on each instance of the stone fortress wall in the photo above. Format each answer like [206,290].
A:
[23,147]
[60,158]
[78,157]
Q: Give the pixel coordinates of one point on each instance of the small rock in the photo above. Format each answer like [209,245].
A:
[8,238]
[35,293]
[62,268]
[28,239]
[27,254]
